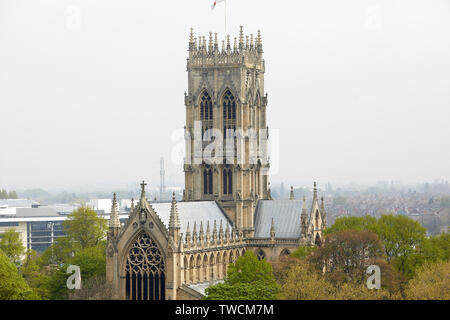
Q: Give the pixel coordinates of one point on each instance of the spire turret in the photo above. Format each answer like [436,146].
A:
[188,235]
[174,220]
[201,236]
[291,195]
[241,38]
[215,232]
[114,221]
[194,234]
[208,233]
[221,232]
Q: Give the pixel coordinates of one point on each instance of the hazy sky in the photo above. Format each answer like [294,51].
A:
[360,90]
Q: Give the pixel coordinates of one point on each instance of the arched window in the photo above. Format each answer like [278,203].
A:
[212,272]
[224,265]
[259,119]
[145,270]
[205,268]
[206,112]
[227,178]
[318,241]
[207,180]
[317,219]
[260,254]
[229,113]
[191,269]
[199,269]
[284,254]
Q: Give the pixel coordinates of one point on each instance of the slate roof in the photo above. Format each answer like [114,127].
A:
[200,287]
[193,211]
[286,218]
[36,212]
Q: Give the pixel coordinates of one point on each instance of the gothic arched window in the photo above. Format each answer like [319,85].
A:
[260,254]
[229,113]
[207,180]
[206,112]
[227,177]
[284,254]
[317,219]
[145,270]
[317,241]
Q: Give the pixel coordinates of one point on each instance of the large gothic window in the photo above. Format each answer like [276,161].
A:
[227,177]
[206,113]
[145,270]
[207,180]
[229,112]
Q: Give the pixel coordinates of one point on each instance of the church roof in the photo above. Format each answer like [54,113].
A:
[193,211]
[285,215]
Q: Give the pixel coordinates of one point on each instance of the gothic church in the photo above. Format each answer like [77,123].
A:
[176,250]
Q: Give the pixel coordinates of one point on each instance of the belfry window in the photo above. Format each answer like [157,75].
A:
[206,113]
[207,180]
[145,271]
[229,112]
[227,177]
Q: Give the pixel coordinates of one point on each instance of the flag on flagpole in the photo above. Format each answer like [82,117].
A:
[215,3]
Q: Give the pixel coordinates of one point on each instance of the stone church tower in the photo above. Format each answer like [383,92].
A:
[226,100]
[175,250]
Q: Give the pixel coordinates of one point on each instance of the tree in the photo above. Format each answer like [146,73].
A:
[402,237]
[303,283]
[303,252]
[13,286]
[92,263]
[351,223]
[60,252]
[12,195]
[12,246]
[346,255]
[431,282]
[33,274]
[247,278]
[85,227]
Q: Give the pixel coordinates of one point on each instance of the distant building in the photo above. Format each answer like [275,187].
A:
[38,227]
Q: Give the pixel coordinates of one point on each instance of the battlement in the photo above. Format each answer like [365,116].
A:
[246,52]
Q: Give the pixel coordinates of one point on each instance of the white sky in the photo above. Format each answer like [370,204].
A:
[360,90]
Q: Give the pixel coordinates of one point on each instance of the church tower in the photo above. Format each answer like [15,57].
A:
[226,132]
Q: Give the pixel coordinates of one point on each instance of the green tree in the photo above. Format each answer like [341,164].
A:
[247,278]
[351,223]
[92,263]
[431,282]
[85,227]
[60,252]
[303,252]
[12,195]
[33,274]
[12,285]
[402,238]
[347,254]
[12,246]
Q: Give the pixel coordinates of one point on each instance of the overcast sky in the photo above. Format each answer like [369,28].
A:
[360,90]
